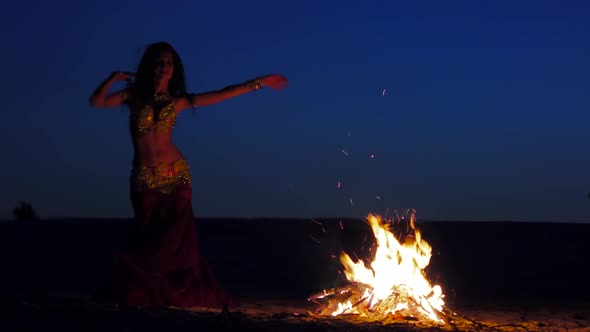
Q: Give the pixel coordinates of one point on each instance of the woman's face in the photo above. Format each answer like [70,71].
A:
[164,67]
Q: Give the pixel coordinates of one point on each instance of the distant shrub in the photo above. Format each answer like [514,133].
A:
[24,212]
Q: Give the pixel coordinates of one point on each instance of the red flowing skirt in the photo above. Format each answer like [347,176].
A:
[162,264]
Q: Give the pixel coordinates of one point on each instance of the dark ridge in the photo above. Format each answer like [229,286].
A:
[293,258]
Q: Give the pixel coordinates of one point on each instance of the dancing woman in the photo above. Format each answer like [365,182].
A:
[162,265]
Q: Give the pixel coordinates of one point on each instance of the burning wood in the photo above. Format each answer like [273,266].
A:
[393,287]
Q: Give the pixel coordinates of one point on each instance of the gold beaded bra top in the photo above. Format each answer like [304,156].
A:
[145,119]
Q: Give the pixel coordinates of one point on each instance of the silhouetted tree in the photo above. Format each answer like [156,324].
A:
[25,212]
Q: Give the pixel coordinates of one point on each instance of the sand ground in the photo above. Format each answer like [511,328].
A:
[496,276]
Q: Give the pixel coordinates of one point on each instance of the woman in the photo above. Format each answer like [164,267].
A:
[161,265]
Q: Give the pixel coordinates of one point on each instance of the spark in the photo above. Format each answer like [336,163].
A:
[372,156]
[315,221]
[379,198]
[342,227]
[383,92]
[338,185]
[345,153]
[323,229]
[351,203]
[313,238]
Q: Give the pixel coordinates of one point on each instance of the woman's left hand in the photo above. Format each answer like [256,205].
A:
[274,81]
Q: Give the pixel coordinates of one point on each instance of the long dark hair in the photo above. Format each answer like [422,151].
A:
[143,87]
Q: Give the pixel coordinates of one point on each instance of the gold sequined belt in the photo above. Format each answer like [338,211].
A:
[162,178]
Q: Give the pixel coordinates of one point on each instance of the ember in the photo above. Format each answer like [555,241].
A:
[394,286]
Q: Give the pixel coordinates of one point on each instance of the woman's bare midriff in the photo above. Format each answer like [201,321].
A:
[154,148]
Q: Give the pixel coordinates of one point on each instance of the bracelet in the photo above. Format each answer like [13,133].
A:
[255,84]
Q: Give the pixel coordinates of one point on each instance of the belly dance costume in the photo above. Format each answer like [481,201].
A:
[161,265]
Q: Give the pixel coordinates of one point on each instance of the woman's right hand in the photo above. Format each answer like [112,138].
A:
[122,75]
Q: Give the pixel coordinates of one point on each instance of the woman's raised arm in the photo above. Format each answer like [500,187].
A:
[100,98]
[274,81]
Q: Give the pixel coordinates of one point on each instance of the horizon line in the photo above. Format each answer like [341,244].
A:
[73,218]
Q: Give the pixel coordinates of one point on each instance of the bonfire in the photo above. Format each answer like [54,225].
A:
[393,286]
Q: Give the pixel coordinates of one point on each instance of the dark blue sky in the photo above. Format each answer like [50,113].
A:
[485,114]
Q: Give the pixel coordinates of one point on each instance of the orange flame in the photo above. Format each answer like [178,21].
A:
[395,283]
